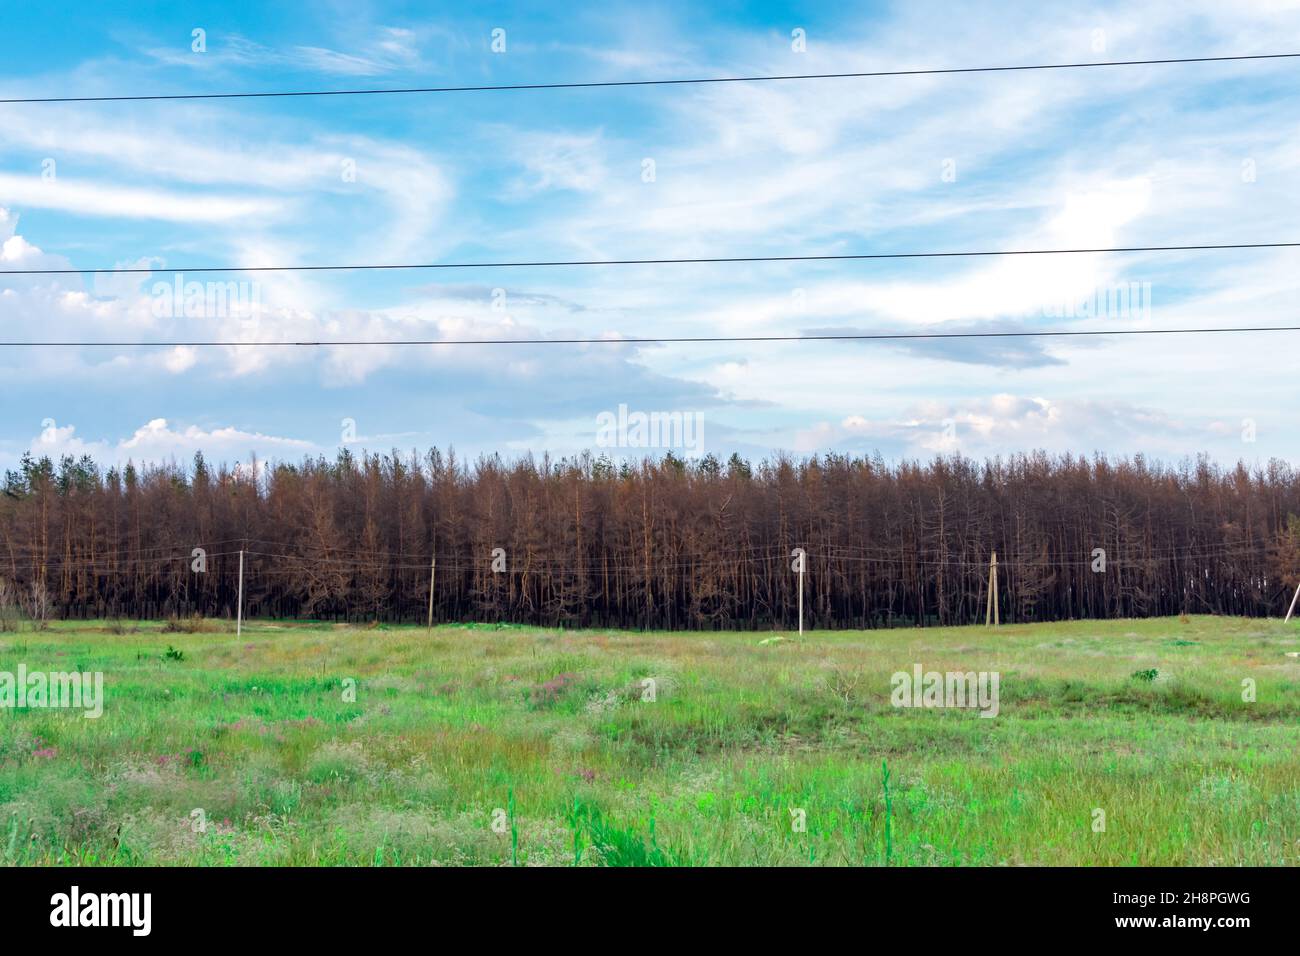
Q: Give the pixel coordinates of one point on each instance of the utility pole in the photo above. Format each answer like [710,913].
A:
[433,567]
[991,615]
[239,604]
[997,616]
[1291,610]
[801,599]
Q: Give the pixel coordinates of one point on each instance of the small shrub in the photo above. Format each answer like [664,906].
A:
[614,845]
[194,624]
[39,607]
[843,683]
[551,691]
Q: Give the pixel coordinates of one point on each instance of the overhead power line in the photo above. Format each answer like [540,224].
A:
[705,260]
[607,84]
[668,340]
[913,556]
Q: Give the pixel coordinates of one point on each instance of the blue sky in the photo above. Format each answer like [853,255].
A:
[1147,155]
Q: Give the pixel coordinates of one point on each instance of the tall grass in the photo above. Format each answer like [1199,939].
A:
[322,745]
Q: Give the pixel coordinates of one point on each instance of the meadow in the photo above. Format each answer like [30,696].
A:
[303,743]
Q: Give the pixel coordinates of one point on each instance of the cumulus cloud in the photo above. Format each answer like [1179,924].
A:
[157,441]
[1001,422]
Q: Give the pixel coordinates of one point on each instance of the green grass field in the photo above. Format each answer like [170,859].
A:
[316,744]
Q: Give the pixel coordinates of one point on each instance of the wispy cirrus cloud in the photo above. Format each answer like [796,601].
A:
[128,202]
[378,51]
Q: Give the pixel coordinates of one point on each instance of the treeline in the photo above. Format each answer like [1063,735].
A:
[658,544]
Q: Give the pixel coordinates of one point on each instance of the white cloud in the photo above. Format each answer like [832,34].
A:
[126,202]
[157,441]
[376,51]
[1003,421]
[570,161]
